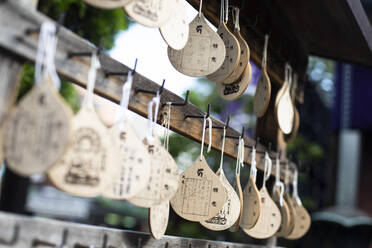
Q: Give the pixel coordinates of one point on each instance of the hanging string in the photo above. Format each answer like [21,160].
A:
[203,135]
[278,183]
[46,51]
[267,170]
[200,8]
[295,188]
[290,76]
[124,102]
[223,148]
[264,59]
[240,157]
[222,10]
[253,172]
[166,125]
[92,74]
[152,118]
[236,18]
[226,11]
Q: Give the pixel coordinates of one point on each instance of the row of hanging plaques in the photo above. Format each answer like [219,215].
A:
[83,157]
[196,50]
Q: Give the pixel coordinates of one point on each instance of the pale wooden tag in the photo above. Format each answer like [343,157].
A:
[296,124]
[243,61]
[262,96]
[269,221]
[284,212]
[164,178]
[201,194]
[204,52]
[230,211]
[158,219]
[133,161]
[232,56]
[88,165]
[37,131]
[151,13]
[284,111]
[108,4]
[286,232]
[235,90]
[302,221]
[251,205]
[175,32]
[238,189]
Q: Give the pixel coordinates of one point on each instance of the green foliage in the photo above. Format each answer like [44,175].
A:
[306,151]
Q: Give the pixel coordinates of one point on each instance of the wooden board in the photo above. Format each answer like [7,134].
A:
[230,211]
[175,31]
[284,212]
[201,194]
[108,4]
[251,205]
[243,61]
[37,132]
[204,52]
[133,161]
[158,219]
[269,221]
[238,189]
[302,221]
[232,56]
[235,90]
[151,13]
[262,96]
[89,164]
[164,179]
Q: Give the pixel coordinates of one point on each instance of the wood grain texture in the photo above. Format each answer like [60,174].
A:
[251,205]
[158,219]
[89,164]
[133,161]
[51,231]
[204,52]
[238,189]
[201,195]
[151,13]
[284,212]
[164,180]
[232,56]
[15,19]
[230,211]
[269,221]
[175,31]
[262,95]
[108,4]
[37,132]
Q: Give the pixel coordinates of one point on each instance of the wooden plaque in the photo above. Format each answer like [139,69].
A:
[133,161]
[296,124]
[286,232]
[269,221]
[251,205]
[37,132]
[204,52]
[238,189]
[201,194]
[175,32]
[284,111]
[108,4]
[164,178]
[230,211]
[158,219]
[232,56]
[243,61]
[284,212]
[151,13]
[88,165]
[263,93]
[235,90]
[302,221]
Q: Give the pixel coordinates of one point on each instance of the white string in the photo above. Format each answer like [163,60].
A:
[226,11]
[264,59]
[278,183]
[167,126]
[295,188]
[253,171]
[236,18]
[290,76]
[124,102]
[45,56]
[240,157]
[222,149]
[203,135]
[267,170]
[151,118]
[200,8]
[282,189]
[94,66]
[222,9]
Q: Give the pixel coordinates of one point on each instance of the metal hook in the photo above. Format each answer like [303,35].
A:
[120,73]
[160,91]
[86,54]
[221,127]
[200,116]
[180,103]
[236,137]
[14,237]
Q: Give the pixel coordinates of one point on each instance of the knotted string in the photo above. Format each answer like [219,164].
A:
[267,170]
[253,172]
[152,117]
[124,102]
[92,74]
[203,135]
[295,188]
[240,157]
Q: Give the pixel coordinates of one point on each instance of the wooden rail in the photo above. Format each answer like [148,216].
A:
[15,20]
